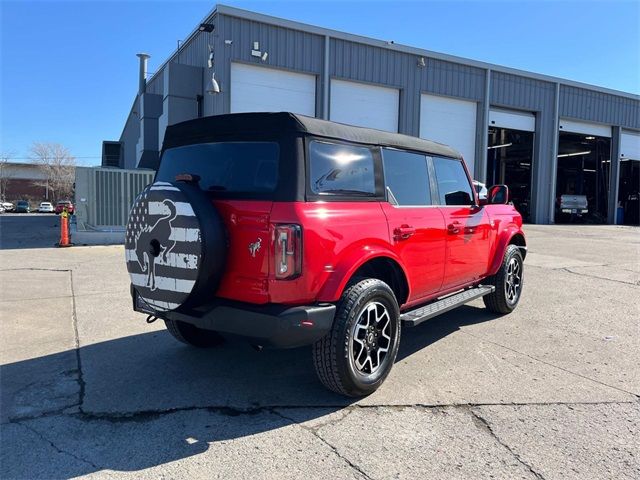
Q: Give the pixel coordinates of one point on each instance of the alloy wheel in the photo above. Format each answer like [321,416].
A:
[371,338]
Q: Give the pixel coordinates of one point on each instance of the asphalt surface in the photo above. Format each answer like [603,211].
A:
[29,230]
[550,391]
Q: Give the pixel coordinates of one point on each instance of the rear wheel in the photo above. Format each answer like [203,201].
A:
[508,282]
[192,335]
[356,356]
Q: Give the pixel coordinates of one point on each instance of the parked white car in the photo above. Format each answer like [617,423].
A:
[45,207]
[9,207]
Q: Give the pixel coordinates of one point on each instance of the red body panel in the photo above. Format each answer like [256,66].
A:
[339,237]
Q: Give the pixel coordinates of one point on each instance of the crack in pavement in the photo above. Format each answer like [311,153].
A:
[484,425]
[149,415]
[74,319]
[550,364]
[316,434]
[56,448]
[566,269]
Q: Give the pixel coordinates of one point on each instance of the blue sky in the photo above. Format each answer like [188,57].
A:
[69,70]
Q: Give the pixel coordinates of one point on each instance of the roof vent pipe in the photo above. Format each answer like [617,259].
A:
[143,72]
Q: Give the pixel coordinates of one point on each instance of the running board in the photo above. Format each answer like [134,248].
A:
[419,315]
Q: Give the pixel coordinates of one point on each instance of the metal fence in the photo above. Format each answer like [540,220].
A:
[104,195]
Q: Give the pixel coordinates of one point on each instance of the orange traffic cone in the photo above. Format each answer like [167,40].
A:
[65,240]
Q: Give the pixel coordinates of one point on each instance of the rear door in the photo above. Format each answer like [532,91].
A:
[416,226]
[468,227]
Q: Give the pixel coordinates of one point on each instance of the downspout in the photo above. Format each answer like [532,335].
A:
[325,79]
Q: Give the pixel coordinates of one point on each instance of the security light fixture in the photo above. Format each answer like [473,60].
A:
[421,62]
[214,88]
[590,137]
[206,27]
[575,154]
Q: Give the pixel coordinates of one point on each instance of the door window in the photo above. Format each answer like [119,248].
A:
[406,178]
[453,184]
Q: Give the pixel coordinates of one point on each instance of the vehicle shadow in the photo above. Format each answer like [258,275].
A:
[148,401]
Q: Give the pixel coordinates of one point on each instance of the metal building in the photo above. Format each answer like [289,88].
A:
[543,136]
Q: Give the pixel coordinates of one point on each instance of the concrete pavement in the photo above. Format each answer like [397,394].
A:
[550,391]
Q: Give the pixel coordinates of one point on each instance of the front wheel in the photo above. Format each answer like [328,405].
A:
[508,282]
[356,356]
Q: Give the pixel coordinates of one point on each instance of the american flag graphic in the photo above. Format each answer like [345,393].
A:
[163,246]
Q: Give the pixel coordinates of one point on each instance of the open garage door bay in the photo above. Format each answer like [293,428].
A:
[629,180]
[510,155]
[450,121]
[261,89]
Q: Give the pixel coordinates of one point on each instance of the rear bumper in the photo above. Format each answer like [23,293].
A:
[272,325]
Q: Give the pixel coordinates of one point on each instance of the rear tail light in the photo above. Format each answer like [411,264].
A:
[288,251]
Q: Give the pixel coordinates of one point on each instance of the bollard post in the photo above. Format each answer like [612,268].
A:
[64,229]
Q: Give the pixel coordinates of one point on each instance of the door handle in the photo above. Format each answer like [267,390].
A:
[403,232]
[453,228]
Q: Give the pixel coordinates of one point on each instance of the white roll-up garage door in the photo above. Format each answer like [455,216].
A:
[585,128]
[523,121]
[364,105]
[630,146]
[261,89]
[450,121]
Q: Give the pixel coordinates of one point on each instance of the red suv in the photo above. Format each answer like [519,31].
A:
[289,231]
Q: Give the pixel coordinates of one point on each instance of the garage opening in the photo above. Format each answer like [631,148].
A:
[629,193]
[582,181]
[509,158]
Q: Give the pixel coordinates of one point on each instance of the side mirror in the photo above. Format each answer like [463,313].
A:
[498,195]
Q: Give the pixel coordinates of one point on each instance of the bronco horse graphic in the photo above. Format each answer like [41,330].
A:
[150,237]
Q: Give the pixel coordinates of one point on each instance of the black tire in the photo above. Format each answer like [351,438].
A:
[502,300]
[192,335]
[335,356]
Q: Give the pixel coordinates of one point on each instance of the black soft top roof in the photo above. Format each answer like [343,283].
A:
[212,128]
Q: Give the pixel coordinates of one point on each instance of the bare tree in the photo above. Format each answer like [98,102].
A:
[5,174]
[58,166]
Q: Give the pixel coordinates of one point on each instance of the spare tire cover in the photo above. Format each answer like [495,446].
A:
[174,246]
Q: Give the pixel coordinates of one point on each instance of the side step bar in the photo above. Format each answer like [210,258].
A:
[420,314]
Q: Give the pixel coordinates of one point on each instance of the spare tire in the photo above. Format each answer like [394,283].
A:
[175,246]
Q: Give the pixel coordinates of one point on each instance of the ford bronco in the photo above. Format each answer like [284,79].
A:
[289,230]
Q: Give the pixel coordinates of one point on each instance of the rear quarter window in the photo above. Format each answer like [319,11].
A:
[341,170]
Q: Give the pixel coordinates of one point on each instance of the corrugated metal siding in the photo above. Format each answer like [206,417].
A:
[288,49]
[450,79]
[156,84]
[599,107]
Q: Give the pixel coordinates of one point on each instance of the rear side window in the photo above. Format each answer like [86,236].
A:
[406,178]
[453,184]
[336,169]
[240,167]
